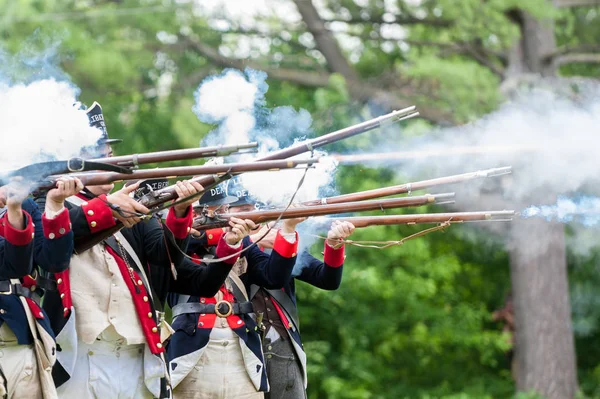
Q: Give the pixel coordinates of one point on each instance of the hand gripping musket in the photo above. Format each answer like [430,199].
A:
[455,217]
[83,244]
[132,161]
[205,222]
[409,187]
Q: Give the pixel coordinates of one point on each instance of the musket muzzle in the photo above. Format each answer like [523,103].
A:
[506,170]
[445,198]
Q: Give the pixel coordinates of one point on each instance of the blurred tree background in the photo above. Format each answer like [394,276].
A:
[413,321]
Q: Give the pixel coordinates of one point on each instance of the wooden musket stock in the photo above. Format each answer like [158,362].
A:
[206,223]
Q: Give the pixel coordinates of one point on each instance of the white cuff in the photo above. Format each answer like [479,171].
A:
[289,237]
[52,214]
[235,246]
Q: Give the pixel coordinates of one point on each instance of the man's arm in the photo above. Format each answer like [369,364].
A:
[203,280]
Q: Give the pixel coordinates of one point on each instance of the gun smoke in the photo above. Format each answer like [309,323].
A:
[548,137]
[236,102]
[38,119]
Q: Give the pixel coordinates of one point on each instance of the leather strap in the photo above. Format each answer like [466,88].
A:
[45,283]
[196,307]
[9,288]
[284,300]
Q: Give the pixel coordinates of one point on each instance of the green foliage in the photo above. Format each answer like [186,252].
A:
[410,321]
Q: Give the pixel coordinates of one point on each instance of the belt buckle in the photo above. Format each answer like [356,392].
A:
[9,292]
[219,313]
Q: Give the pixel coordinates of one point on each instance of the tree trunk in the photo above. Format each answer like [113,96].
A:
[544,339]
[544,349]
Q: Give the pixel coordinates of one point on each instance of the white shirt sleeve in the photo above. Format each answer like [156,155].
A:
[53,214]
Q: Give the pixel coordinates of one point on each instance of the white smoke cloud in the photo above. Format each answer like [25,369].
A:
[550,138]
[39,122]
[235,101]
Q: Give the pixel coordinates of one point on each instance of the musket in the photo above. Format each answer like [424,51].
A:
[206,222]
[166,194]
[455,217]
[161,196]
[87,242]
[100,178]
[409,187]
[135,160]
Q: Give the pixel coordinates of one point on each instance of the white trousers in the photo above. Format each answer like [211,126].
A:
[107,370]
[220,373]
[19,366]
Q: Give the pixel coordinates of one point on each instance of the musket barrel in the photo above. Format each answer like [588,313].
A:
[99,178]
[204,223]
[409,187]
[176,155]
[455,217]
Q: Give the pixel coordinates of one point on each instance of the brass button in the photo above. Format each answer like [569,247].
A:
[65,310]
[32,235]
[269,347]
[159,345]
[202,300]
[2,311]
[210,236]
[145,299]
[33,287]
[62,296]
[290,325]
[294,254]
[200,324]
[188,229]
[90,353]
[59,281]
[51,236]
[61,231]
[90,212]
[154,329]
[93,224]
[139,282]
[269,356]
[150,314]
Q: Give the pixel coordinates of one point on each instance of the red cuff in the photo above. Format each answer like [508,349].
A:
[333,257]
[180,227]
[213,236]
[98,214]
[57,227]
[283,246]
[223,250]
[18,237]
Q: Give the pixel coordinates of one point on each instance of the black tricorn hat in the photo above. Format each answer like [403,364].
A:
[96,118]
[215,196]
